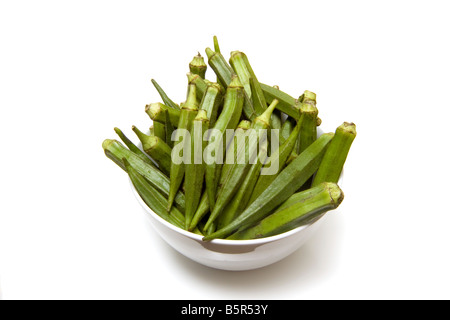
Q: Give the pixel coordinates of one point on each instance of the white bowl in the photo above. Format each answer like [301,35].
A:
[234,255]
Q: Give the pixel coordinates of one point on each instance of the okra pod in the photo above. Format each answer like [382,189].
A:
[228,119]
[177,170]
[200,84]
[224,75]
[309,205]
[280,156]
[164,96]
[198,66]
[157,149]
[157,112]
[195,170]
[154,200]
[285,185]
[204,205]
[133,147]
[246,154]
[211,101]
[220,66]
[286,129]
[287,104]
[242,197]
[115,151]
[169,130]
[308,131]
[333,162]
[159,130]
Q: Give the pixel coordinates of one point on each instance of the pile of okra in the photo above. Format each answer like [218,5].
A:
[234,200]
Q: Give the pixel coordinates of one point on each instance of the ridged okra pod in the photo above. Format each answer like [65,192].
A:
[159,130]
[309,112]
[116,151]
[167,101]
[200,84]
[333,162]
[169,130]
[225,74]
[198,66]
[287,104]
[157,149]
[154,200]
[308,205]
[133,148]
[285,185]
[195,170]
[286,129]
[204,205]
[157,112]
[228,119]
[280,156]
[211,101]
[182,143]
[247,154]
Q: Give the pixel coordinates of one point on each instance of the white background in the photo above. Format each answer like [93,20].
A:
[70,71]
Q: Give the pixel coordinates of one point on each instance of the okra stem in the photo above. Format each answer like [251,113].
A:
[157,112]
[333,162]
[287,104]
[198,66]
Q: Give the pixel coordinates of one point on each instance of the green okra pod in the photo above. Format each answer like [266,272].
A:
[195,170]
[286,129]
[169,130]
[133,147]
[182,143]
[157,112]
[115,151]
[247,154]
[225,74]
[211,102]
[159,130]
[220,66]
[287,104]
[154,200]
[204,205]
[240,200]
[201,84]
[308,132]
[285,185]
[307,206]
[228,119]
[333,162]
[198,66]
[280,156]
[164,96]
[157,149]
